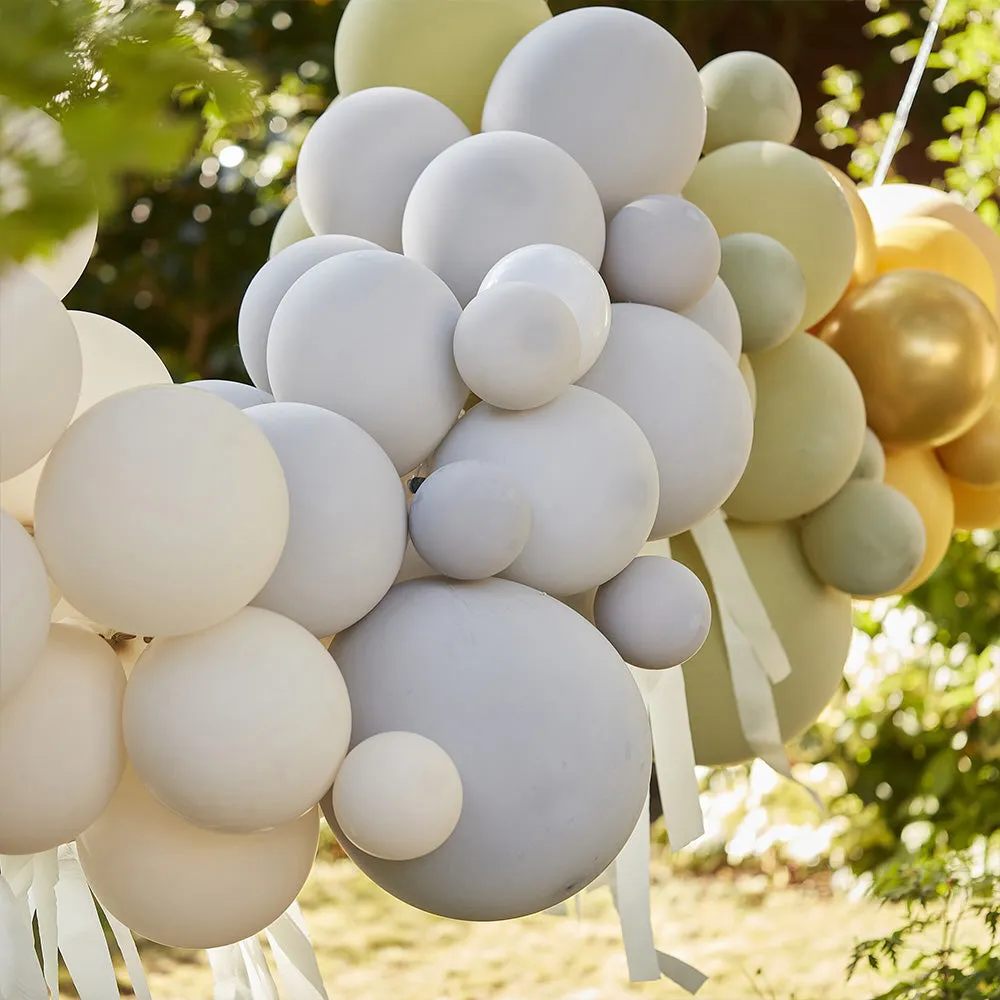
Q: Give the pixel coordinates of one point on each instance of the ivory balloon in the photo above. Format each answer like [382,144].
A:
[239,728]
[746,370]
[925,351]
[813,622]
[975,508]
[184,887]
[24,605]
[62,269]
[162,511]
[493,193]
[347,518]
[40,370]
[974,458]
[871,464]
[370,336]
[691,402]
[661,251]
[584,528]
[239,394]
[361,158]
[570,276]
[716,312]
[449,49]
[268,288]
[290,228]
[866,251]
[749,96]
[517,346]
[398,796]
[867,541]
[656,612]
[926,244]
[593,81]
[61,751]
[542,721]
[768,287]
[917,475]
[763,187]
[809,431]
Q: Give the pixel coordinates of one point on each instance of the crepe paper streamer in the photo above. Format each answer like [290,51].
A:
[295,958]
[229,972]
[732,584]
[20,975]
[261,982]
[909,95]
[130,953]
[687,977]
[42,901]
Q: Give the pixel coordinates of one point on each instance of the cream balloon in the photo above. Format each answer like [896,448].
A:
[716,312]
[162,511]
[25,605]
[239,728]
[746,370]
[61,751]
[290,228]
[63,268]
[585,529]
[370,335]
[347,520]
[690,401]
[361,158]
[871,464]
[398,796]
[240,394]
[570,276]
[595,82]
[493,193]
[662,251]
[40,370]
[184,887]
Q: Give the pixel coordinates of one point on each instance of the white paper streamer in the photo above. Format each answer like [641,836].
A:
[133,963]
[261,981]
[20,975]
[295,958]
[230,973]
[42,903]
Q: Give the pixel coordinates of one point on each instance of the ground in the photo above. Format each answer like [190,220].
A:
[757,944]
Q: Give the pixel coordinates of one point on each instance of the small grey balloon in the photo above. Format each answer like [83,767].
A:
[543,721]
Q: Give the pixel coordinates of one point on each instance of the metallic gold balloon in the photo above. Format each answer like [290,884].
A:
[865,251]
[925,351]
[974,508]
[974,458]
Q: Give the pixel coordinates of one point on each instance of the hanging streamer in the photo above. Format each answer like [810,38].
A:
[261,981]
[42,904]
[295,958]
[20,974]
[130,953]
[229,972]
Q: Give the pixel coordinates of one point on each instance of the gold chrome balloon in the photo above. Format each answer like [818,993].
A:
[974,458]
[866,251]
[925,351]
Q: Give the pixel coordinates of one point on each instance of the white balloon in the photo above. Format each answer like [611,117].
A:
[61,753]
[185,887]
[347,521]
[114,359]
[656,612]
[290,228]
[25,605]
[370,335]
[268,288]
[716,312]
[570,276]
[517,346]
[612,88]
[362,156]
[469,520]
[491,194]
[691,402]
[239,728]
[162,510]
[240,394]
[62,269]
[750,380]
[662,251]
[40,370]
[588,473]
[398,796]
[414,567]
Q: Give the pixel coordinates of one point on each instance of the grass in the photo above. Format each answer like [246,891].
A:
[756,942]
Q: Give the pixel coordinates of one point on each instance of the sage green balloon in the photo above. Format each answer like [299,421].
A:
[291,228]
[812,620]
[867,541]
[768,287]
[871,464]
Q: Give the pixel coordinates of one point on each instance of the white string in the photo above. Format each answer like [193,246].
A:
[909,95]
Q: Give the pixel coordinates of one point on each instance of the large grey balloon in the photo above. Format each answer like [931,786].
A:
[542,719]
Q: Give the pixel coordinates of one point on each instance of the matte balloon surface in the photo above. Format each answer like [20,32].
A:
[871,464]
[585,528]
[866,251]
[975,508]
[494,193]
[162,511]
[716,312]
[290,228]
[543,721]
[769,188]
[813,622]
[239,394]
[690,400]
[184,887]
[809,430]
[974,458]
[61,752]
[370,336]
[62,269]
[746,370]
[594,81]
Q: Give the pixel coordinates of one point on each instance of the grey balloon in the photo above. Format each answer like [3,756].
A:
[542,719]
